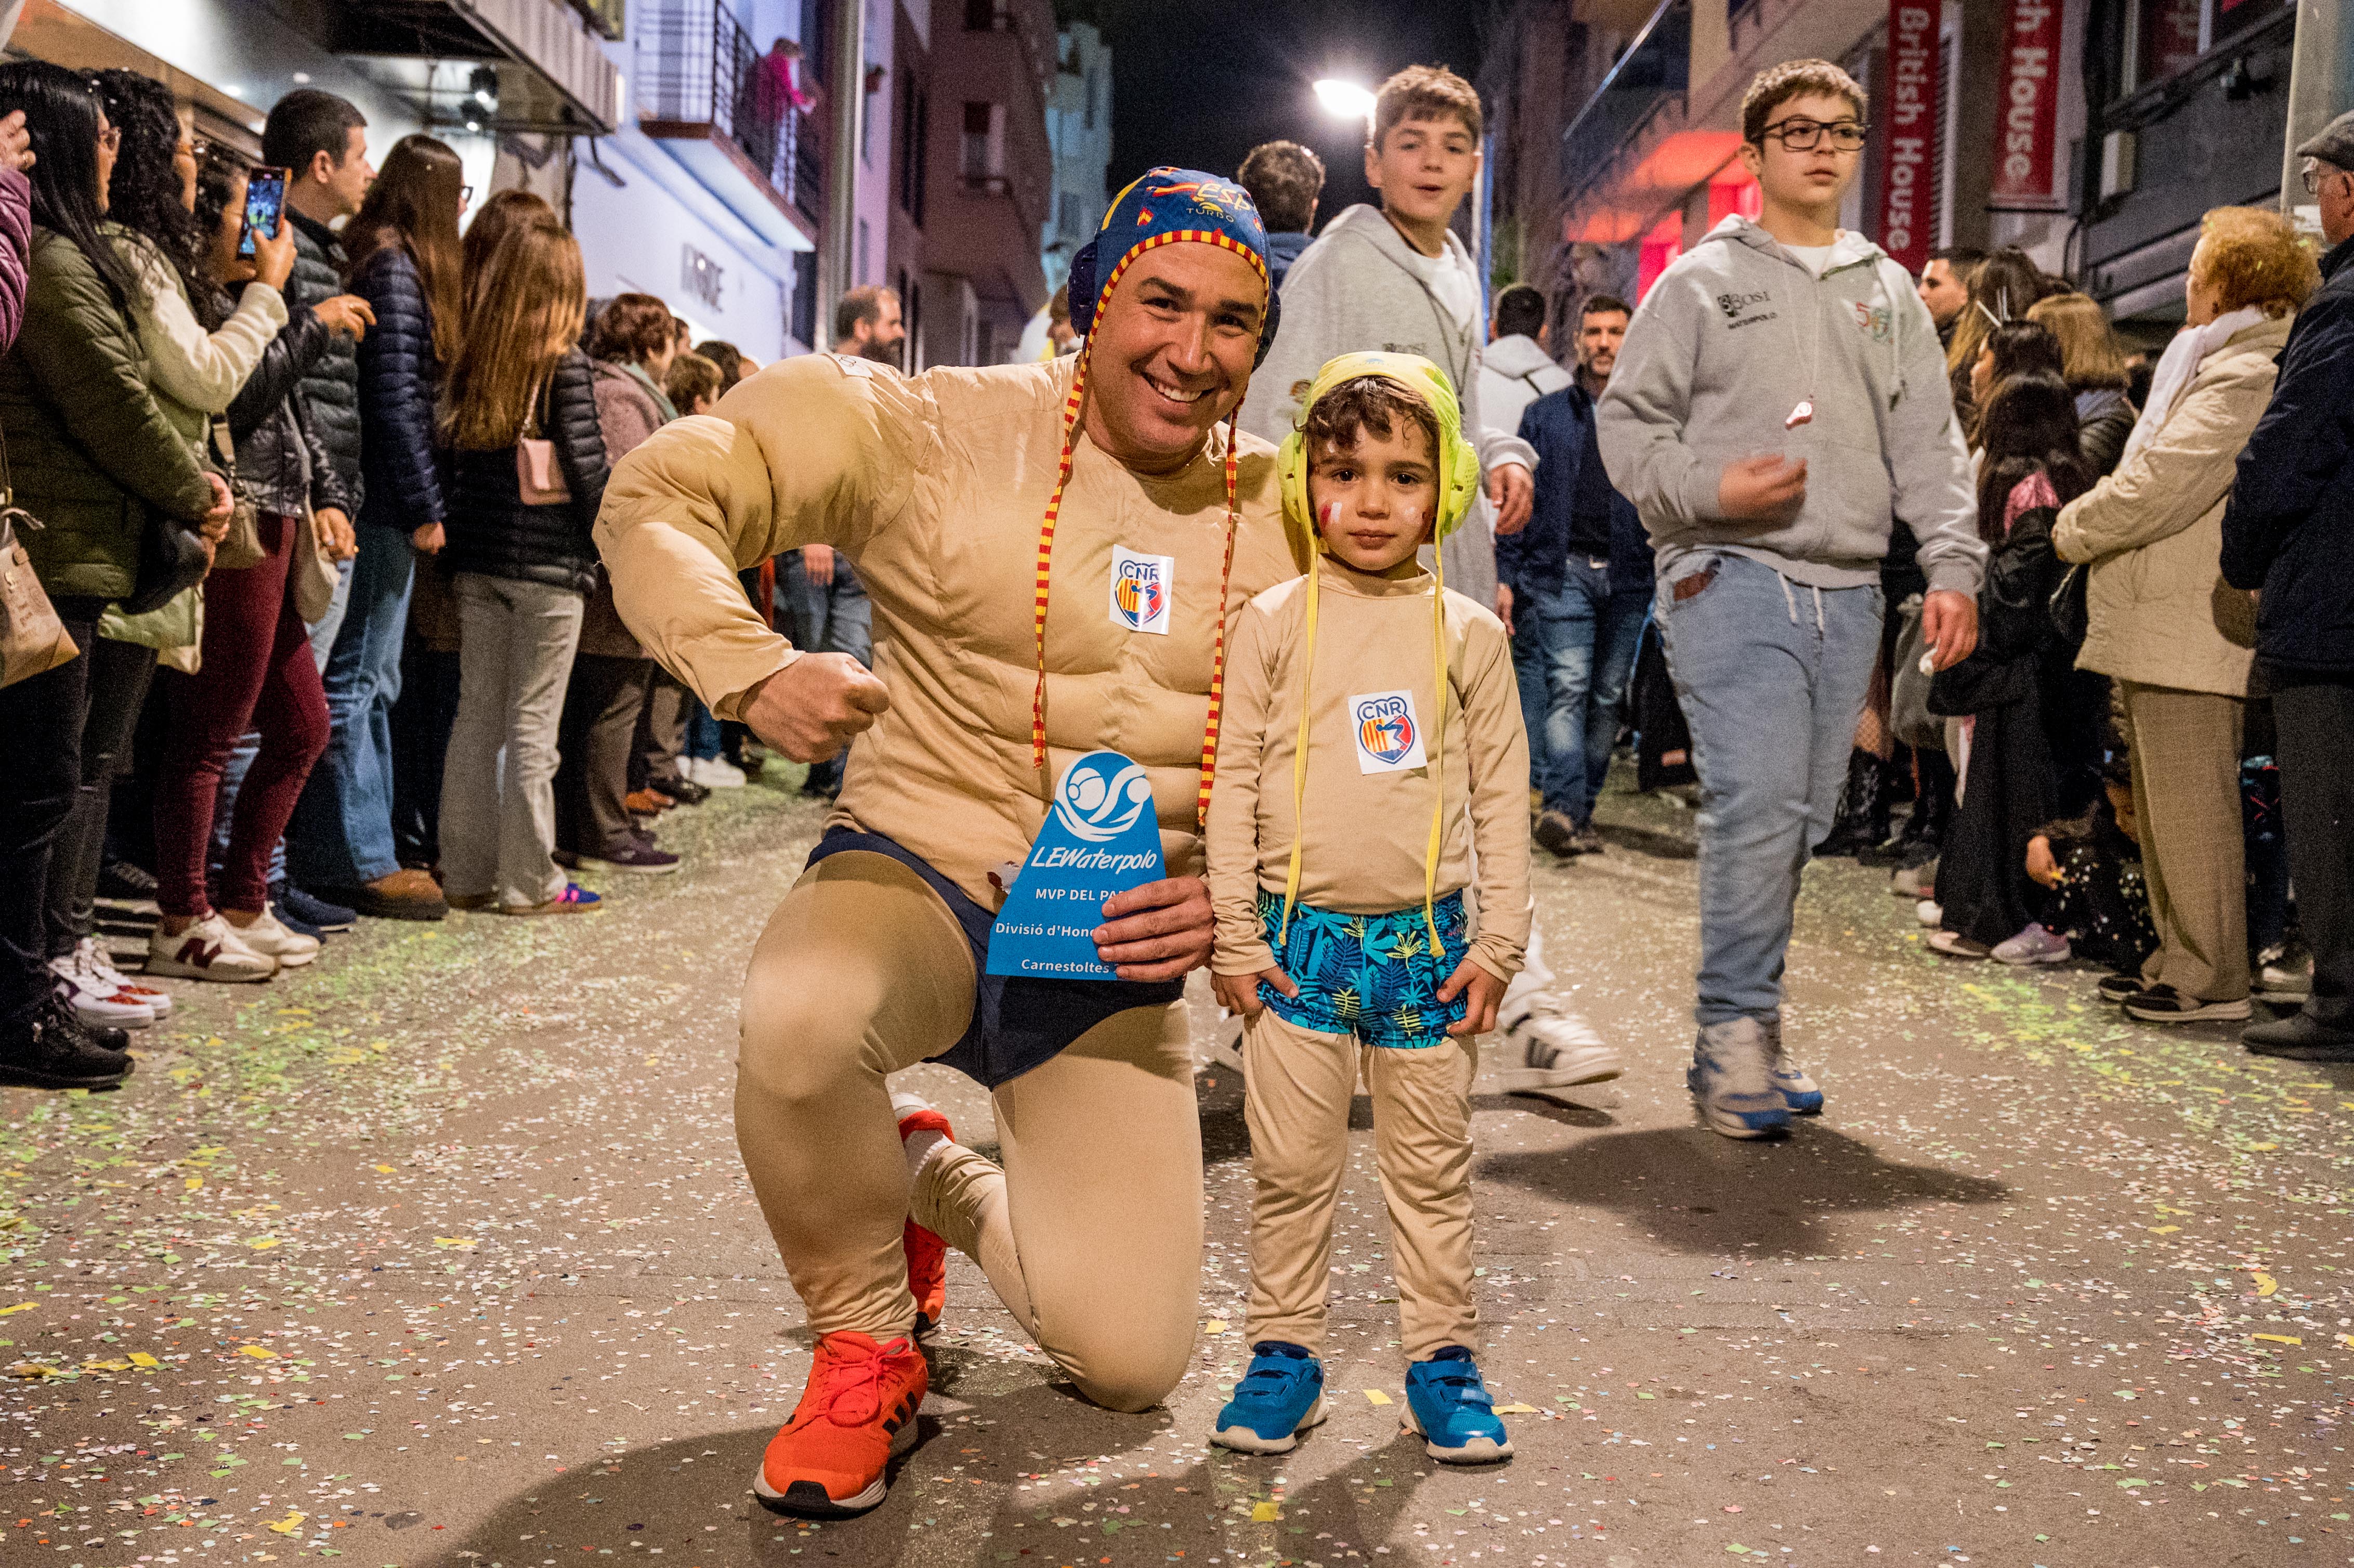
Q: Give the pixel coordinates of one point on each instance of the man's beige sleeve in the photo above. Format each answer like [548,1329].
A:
[1232,833]
[1499,798]
[804,453]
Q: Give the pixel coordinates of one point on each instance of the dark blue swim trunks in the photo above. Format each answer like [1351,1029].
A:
[1018,1020]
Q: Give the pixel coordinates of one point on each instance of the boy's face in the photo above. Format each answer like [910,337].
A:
[1813,180]
[1423,168]
[1375,502]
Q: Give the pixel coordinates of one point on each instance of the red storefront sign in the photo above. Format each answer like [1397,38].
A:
[1909,143]
[2027,125]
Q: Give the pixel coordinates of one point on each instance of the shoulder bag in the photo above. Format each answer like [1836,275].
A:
[240,549]
[538,476]
[33,641]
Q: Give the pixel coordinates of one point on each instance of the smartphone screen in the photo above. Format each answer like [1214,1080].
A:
[265,199]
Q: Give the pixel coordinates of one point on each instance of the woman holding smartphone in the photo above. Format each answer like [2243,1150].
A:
[199,354]
[91,455]
[256,669]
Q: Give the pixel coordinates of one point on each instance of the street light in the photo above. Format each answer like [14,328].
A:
[1345,99]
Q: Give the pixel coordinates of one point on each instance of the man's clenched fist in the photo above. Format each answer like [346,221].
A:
[811,708]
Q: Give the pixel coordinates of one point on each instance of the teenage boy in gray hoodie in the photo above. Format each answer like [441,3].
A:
[1781,395]
[1396,278]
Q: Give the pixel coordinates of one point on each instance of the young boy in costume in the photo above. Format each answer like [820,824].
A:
[1395,277]
[1370,743]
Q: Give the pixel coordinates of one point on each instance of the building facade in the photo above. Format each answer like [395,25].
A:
[2092,133]
[989,175]
[1078,132]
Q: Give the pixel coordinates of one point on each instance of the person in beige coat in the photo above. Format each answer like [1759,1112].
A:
[987,511]
[2176,638]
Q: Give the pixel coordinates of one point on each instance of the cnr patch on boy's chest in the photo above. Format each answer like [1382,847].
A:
[1388,732]
[1877,321]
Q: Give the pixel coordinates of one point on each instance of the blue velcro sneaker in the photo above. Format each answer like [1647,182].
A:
[1280,1396]
[1451,1408]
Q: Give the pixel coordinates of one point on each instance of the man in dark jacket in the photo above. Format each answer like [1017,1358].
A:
[1284,179]
[2289,531]
[323,141]
[1574,587]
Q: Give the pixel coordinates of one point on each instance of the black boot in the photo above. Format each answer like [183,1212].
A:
[50,1048]
[1925,836]
[1863,818]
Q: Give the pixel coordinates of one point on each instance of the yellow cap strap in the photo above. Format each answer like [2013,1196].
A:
[1299,751]
[1437,759]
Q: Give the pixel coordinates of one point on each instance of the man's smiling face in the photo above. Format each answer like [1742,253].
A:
[1171,353]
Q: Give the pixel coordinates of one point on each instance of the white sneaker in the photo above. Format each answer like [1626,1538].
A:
[268,937]
[100,969]
[2034,944]
[1929,911]
[1557,1050]
[97,1004]
[712,772]
[210,950]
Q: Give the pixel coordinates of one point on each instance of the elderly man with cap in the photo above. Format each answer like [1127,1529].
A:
[988,512]
[2289,533]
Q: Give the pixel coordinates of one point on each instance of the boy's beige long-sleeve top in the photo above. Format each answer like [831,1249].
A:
[935,486]
[1367,832]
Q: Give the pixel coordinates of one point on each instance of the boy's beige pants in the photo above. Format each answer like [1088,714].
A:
[1090,1232]
[1298,1084]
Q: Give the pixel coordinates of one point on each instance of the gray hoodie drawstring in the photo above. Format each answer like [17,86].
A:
[1790,601]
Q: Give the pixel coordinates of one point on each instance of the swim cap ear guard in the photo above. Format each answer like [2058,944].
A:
[1084,267]
[1459,462]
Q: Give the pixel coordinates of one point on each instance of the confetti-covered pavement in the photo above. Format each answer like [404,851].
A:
[2042,1287]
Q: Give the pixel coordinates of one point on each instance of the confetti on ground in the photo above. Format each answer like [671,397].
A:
[2024,1294]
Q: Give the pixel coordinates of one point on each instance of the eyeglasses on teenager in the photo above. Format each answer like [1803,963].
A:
[1806,135]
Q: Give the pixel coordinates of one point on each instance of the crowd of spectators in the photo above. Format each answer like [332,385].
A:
[311,505]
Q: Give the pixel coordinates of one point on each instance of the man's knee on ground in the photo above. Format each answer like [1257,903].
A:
[1120,1369]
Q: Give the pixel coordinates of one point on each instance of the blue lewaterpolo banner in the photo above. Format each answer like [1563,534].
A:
[1101,838]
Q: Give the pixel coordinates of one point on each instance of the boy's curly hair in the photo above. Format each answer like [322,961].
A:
[1365,404]
[1426,92]
[1776,85]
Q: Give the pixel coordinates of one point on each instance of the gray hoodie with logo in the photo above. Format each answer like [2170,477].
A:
[1733,336]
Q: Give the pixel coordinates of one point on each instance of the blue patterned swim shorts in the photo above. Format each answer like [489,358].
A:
[1368,975]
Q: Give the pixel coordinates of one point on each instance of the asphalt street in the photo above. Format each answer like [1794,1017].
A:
[2042,1286]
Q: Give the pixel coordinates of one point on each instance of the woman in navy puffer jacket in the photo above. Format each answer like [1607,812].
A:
[527,467]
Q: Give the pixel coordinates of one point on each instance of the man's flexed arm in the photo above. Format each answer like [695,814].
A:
[803,454]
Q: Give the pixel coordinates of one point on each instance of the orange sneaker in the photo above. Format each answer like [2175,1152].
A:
[858,1411]
[927,1254]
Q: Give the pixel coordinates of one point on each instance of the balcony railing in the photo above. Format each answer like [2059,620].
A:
[697,67]
[1649,80]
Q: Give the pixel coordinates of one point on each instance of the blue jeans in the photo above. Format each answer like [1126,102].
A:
[1771,675]
[1573,652]
[342,833]
[826,617]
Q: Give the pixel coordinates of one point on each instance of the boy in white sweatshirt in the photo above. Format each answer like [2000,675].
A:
[1370,742]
